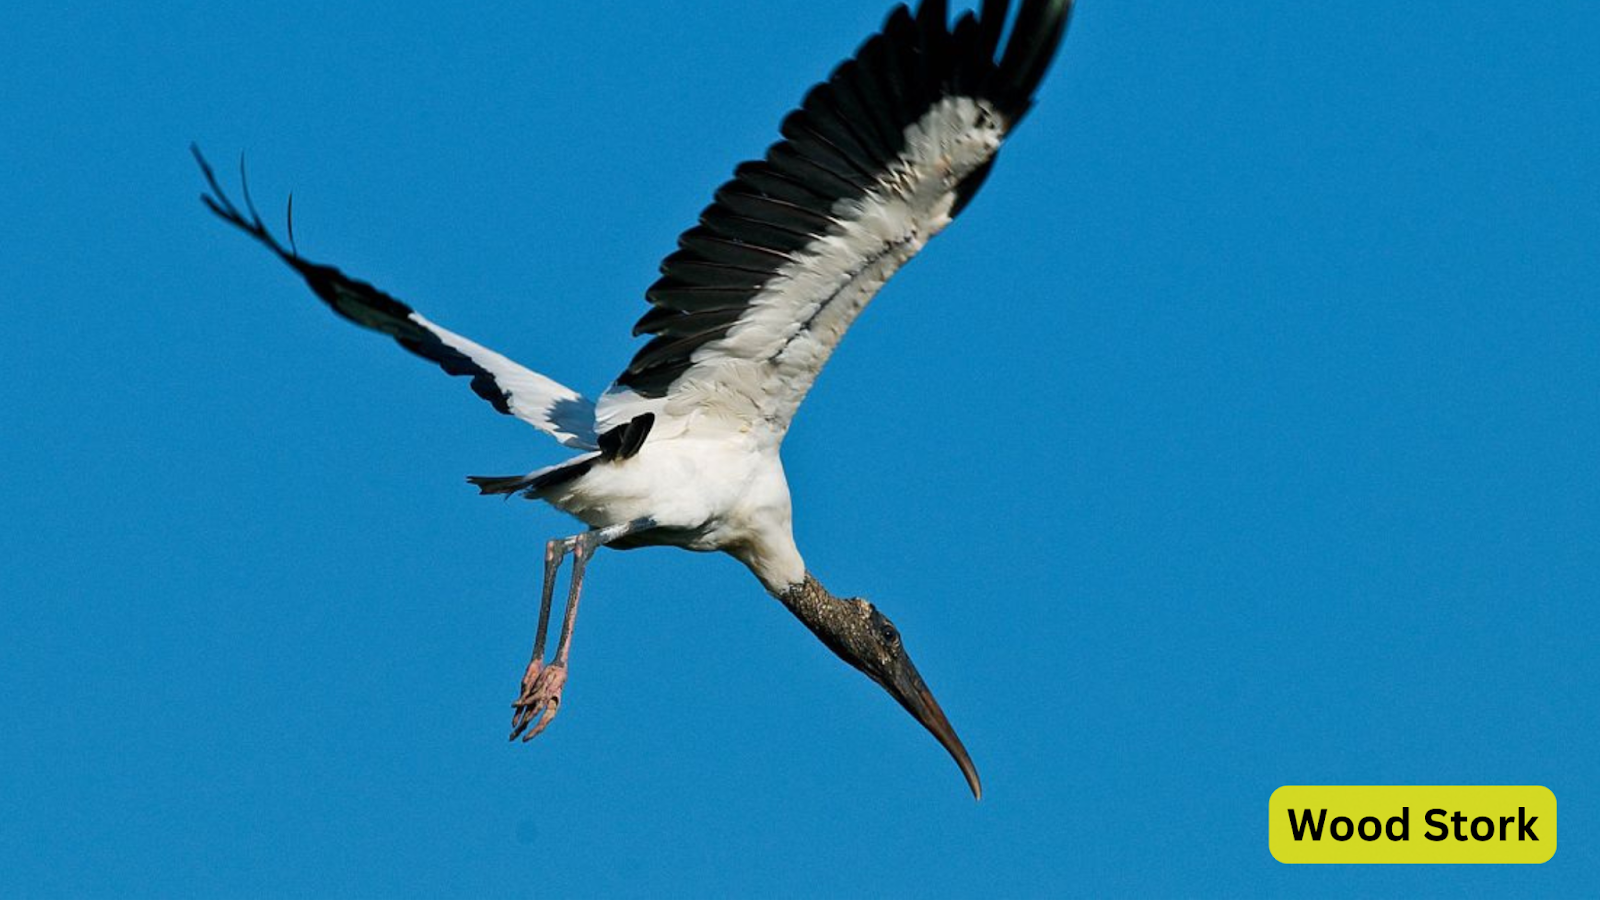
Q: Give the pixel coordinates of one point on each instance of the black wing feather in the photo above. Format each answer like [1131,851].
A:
[844,138]
[355,300]
[366,305]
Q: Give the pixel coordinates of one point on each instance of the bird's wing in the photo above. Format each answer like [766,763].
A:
[877,159]
[513,389]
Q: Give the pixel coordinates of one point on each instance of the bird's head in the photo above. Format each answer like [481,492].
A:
[865,638]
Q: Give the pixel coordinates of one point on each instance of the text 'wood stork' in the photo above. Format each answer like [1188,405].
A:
[683,448]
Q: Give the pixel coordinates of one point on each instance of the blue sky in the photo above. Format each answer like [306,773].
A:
[1241,434]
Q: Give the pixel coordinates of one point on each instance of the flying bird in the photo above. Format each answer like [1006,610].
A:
[682,449]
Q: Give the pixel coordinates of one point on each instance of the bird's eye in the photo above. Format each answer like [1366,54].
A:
[891,635]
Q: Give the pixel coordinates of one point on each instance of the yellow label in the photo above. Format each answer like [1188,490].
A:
[1412,824]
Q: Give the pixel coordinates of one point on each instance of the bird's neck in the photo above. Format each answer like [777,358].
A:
[808,600]
[822,612]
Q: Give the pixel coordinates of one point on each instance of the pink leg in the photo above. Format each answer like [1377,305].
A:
[554,552]
[541,700]
[542,685]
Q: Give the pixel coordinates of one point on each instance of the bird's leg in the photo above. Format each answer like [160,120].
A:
[540,698]
[554,552]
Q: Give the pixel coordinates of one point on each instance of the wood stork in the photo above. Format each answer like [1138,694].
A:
[683,448]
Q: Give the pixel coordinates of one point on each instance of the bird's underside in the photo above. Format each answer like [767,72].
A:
[683,448]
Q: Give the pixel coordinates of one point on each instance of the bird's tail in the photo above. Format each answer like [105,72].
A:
[621,442]
[499,484]
[534,483]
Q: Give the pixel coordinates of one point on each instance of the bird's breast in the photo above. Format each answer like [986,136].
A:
[703,493]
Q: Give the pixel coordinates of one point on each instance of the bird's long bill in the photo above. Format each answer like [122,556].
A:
[906,685]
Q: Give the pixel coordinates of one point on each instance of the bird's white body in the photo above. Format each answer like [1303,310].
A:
[719,491]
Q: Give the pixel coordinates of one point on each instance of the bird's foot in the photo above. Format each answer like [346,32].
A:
[540,699]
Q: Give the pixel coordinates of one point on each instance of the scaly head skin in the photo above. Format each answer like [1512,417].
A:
[865,638]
